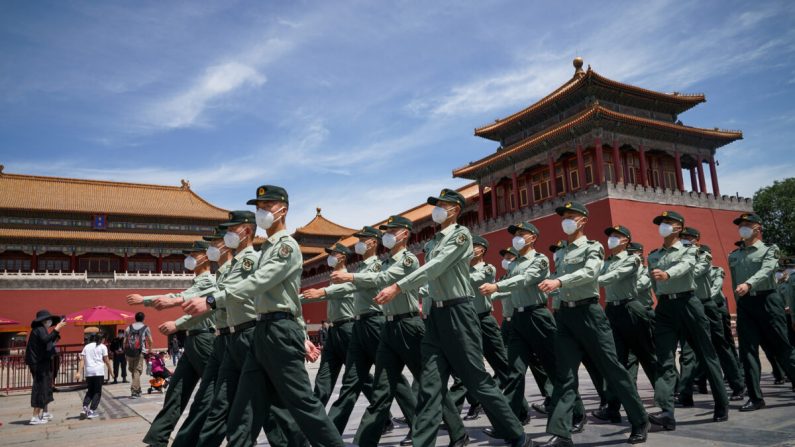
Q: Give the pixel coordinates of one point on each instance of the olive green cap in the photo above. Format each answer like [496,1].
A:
[558,245]
[748,217]
[219,234]
[239,217]
[339,248]
[705,248]
[450,196]
[618,229]
[270,192]
[527,226]
[634,247]
[480,240]
[673,215]
[692,232]
[368,231]
[510,250]
[197,246]
[397,222]
[577,207]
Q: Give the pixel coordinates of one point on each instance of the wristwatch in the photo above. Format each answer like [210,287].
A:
[211,302]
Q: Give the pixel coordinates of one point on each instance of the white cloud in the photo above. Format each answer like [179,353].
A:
[746,180]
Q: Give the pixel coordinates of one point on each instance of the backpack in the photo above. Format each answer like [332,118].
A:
[135,342]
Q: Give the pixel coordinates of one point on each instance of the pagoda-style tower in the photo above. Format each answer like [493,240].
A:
[620,149]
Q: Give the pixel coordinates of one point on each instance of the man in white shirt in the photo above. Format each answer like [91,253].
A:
[93,359]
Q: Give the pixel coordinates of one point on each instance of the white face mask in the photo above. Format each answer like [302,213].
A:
[332,261]
[613,242]
[518,242]
[231,239]
[665,229]
[190,263]
[47,324]
[506,264]
[360,248]
[265,219]
[746,232]
[439,214]
[213,254]
[569,226]
[389,240]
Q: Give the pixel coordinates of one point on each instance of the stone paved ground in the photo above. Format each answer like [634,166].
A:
[123,421]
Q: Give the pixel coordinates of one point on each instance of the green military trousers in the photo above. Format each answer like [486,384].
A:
[629,322]
[362,352]
[181,384]
[188,434]
[400,346]
[677,319]
[728,363]
[760,319]
[453,341]
[539,375]
[274,374]
[332,359]
[279,426]
[585,329]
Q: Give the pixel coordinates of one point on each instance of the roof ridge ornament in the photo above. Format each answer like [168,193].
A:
[1,168]
[578,71]
[318,210]
[185,184]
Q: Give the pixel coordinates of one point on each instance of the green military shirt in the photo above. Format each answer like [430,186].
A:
[716,275]
[701,274]
[579,269]
[203,286]
[393,269]
[220,311]
[242,265]
[522,282]
[362,296]
[507,306]
[557,257]
[479,274]
[644,284]
[446,269]
[756,265]
[619,277]
[338,307]
[275,281]
[678,261]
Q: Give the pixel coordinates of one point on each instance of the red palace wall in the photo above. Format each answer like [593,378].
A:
[21,305]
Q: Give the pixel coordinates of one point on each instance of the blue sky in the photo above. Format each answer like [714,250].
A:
[362,108]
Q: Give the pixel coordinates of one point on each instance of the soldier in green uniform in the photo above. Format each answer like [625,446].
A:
[645,297]
[453,339]
[533,330]
[188,434]
[583,327]
[198,345]
[273,372]
[716,277]
[704,292]
[679,315]
[340,312]
[367,329]
[401,337]
[760,314]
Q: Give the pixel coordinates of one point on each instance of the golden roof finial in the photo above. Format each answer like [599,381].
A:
[318,210]
[577,65]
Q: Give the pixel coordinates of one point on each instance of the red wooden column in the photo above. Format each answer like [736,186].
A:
[494,200]
[125,263]
[680,183]
[618,166]
[34,261]
[599,161]
[159,264]
[702,182]
[643,178]
[481,205]
[693,181]
[713,172]
[73,262]
[580,167]
[553,187]
[515,191]
[529,182]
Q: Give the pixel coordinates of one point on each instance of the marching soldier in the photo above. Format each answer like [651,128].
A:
[367,329]
[645,297]
[583,327]
[453,338]
[716,277]
[401,337]
[760,316]
[198,345]
[679,315]
[275,362]
[627,314]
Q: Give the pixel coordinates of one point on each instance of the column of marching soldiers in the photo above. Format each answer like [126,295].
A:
[246,342]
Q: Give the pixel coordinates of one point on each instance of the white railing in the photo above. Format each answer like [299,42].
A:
[151,275]
[59,275]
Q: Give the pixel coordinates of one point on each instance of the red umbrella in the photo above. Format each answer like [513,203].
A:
[99,315]
[4,320]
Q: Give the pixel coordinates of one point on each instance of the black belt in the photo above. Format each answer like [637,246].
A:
[223,331]
[399,317]
[341,321]
[677,296]
[761,293]
[619,302]
[451,302]
[275,316]
[578,303]
[243,326]
[483,315]
[521,309]
[367,315]
[209,330]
